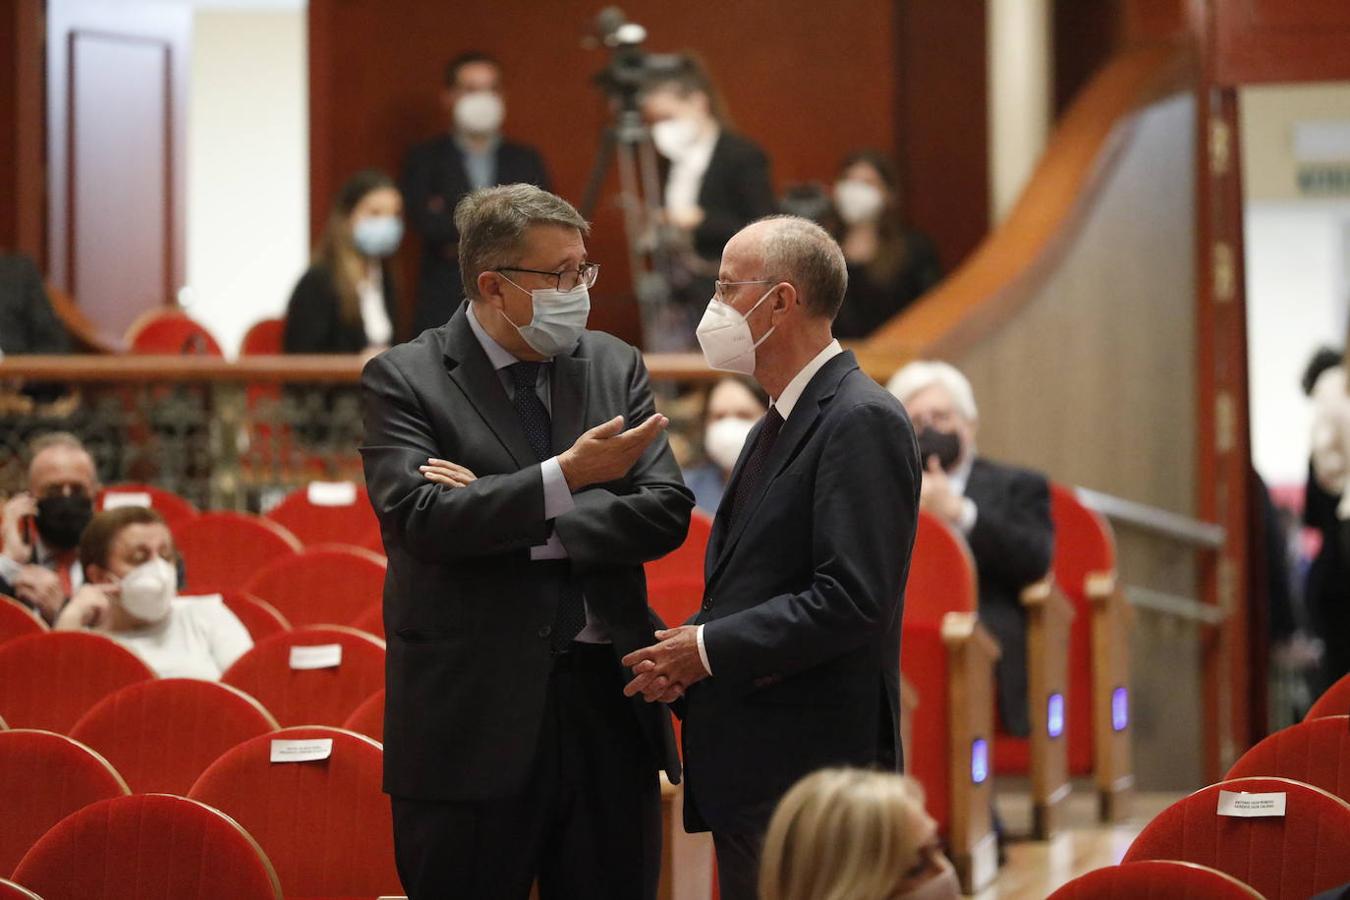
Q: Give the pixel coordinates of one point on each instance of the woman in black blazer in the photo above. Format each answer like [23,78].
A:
[346,301]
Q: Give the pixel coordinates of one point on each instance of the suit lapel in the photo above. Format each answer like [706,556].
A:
[468,366]
[568,393]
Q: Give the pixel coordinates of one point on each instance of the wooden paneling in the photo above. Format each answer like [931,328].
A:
[21,128]
[1280,40]
[1086,36]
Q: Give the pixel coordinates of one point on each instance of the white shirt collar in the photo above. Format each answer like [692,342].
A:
[959,477]
[793,392]
[498,355]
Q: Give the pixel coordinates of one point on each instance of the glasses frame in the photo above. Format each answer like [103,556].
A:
[718,285]
[587,273]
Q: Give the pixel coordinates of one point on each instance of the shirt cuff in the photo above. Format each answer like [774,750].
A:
[703,651]
[557,498]
[9,569]
[969,513]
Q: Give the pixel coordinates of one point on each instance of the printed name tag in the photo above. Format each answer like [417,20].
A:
[302,751]
[332,493]
[319,656]
[119,499]
[1250,806]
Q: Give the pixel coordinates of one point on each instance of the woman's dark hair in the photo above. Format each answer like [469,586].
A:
[1325,358]
[97,540]
[744,381]
[892,245]
[691,76]
[336,253]
[472,56]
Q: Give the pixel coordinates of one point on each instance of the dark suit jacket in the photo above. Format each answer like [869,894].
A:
[465,611]
[802,606]
[313,324]
[1012,543]
[735,192]
[434,181]
[28,324]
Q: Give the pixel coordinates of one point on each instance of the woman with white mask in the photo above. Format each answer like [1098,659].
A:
[889,264]
[730,410]
[131,595]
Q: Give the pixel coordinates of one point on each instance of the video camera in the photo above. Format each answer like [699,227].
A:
[630,68]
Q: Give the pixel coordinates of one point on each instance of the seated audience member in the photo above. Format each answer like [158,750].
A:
[132,597]
[1328,510]
[731,408]
[471,154]
[889,264]
[42,526]
[848,834]
[28,324]
[1004,513]
[716,182]
[346,303]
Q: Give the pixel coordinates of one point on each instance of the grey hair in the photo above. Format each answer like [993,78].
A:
[923,374]
[492,223]
[799,251]
[55,439]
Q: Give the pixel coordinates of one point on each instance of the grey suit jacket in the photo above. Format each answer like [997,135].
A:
[466,612]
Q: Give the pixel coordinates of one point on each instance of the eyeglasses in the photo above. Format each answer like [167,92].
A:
[719,287]
[567,279]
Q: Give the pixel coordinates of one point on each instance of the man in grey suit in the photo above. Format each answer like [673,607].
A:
[517,513]
[793,662]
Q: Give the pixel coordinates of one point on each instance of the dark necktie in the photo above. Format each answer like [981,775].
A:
[570,617]
[753,470]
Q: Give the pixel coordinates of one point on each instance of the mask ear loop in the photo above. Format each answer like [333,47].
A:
[746,317]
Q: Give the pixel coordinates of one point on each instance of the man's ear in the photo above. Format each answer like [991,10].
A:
[784,298]
[491,289]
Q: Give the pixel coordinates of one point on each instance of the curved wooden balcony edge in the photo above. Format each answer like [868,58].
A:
[1005,269]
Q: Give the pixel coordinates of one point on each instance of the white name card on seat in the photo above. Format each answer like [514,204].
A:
[119,499]
[332,493]
[1251,806]
[317,656]
[311,750]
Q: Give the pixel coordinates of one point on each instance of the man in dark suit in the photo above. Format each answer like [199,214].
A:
[28,324]
[516,514]
[438,173]
[793,662]
[1003,511]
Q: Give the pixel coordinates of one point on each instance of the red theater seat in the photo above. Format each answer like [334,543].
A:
[264,338]
[368,719]
[296,695]
[1335,701]
[149,846]
[162,734]
[17,620]
[685,563]
[327,512]
[169,330]
[324,824]
[11,891]
[1316,752]
[223,550]
[1305,851]
[372,620]
[324,585]
[50,680]
[173,509]
[1156,880]
[260,617]
[45,777]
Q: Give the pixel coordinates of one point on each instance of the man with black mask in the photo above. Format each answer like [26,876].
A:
[41,527]
[1003,512]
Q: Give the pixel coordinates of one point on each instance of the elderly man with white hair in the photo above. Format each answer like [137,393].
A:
[1003,511]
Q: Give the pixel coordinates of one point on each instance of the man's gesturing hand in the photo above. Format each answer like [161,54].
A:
[663,671]
[607,452]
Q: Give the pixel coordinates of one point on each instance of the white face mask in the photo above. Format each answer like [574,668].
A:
[148,590]
[559,319]
[945,886]
[674,137]
[479,112]
[724,439]
[724,334]
[858,201]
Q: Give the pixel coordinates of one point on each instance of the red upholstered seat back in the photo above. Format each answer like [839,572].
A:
[1296,855]
[325,585]
[11,891]
[1316,752]
[171,507]
[264,338]
[372,620]
[17,620]
[149,846]
[685,563]
[1335,701]
[1155,880]
[261,618]
[350,523]
[45,777]
[942,575]
[171,331]
[223,550]
[368,719]
[160,735]
[50,680]
[324,696]
[325,825]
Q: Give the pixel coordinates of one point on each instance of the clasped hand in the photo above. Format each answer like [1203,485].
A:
[665,670]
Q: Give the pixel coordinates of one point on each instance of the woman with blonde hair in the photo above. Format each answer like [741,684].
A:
[848,834]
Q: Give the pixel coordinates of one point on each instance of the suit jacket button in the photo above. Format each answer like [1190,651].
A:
[707,604]
[545,631]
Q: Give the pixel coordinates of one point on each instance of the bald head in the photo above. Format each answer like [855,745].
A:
[799,251]
[61,465]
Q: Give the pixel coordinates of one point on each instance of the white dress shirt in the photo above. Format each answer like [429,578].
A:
[785,404]
[557,498]
[46,558]
[686,173]
[374,314]
[957,479]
